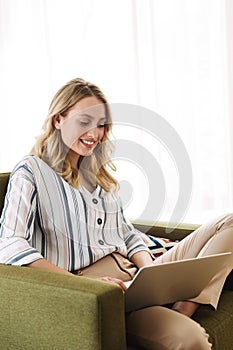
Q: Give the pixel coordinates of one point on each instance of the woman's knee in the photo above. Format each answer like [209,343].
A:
[225,221]
[192,337]
[164,329]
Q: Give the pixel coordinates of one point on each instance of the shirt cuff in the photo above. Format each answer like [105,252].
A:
[16,251]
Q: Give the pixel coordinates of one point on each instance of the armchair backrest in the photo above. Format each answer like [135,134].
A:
[4,178]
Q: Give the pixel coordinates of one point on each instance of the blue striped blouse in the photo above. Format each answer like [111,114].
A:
[44,216]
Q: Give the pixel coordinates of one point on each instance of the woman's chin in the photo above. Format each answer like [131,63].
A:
[84,153]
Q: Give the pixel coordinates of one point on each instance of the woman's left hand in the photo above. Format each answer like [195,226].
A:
[114,280]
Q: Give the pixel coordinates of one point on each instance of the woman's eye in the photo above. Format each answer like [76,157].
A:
[101,125]
[88,123]
[84,123]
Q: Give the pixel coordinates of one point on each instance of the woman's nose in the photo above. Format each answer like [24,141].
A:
[93,132]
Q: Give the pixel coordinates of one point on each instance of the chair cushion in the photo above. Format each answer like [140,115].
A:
[218,324]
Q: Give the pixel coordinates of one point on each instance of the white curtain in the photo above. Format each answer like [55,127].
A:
[169,57]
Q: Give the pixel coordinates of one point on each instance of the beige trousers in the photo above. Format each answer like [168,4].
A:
[161,328]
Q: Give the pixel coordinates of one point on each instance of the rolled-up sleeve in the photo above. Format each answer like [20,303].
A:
[17,220]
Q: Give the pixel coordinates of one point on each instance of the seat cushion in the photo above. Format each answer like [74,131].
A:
[218,324]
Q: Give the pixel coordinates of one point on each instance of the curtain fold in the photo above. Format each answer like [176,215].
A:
[171,57]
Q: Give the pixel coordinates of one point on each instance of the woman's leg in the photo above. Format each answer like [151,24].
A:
[163,329]
[212,238]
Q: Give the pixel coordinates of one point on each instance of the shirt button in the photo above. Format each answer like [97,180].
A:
[99,221]
[101,242]
[94,200]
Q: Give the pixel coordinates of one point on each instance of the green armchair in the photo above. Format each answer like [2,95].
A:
[45,310]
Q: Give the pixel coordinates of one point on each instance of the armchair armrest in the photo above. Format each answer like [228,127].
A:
[46,310]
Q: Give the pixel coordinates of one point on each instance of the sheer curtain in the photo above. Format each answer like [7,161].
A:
[169,57]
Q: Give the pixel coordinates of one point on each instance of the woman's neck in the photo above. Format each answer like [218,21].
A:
[73,159]
[84,180]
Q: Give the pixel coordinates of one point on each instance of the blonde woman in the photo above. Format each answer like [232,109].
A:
[62,213]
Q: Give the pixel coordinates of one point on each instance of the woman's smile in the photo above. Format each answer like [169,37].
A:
[89,143]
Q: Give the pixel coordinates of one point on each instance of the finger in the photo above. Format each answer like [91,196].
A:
[120,283]
[114,280]
[123,286]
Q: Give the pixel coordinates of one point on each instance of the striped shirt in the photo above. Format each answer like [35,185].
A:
[45,217]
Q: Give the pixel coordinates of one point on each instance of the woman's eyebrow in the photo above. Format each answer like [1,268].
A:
[91,116]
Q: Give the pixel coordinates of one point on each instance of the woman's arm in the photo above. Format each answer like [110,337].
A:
[18,217]
[142,258]
[43,264]
[138,251]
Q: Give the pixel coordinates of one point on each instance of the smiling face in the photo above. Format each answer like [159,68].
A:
[83,127]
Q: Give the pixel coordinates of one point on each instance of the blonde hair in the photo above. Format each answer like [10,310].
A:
[50,147]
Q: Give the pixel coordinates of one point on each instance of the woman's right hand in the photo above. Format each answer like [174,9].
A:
[114,280]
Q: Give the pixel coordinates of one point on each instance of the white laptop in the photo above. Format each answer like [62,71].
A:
[174,281]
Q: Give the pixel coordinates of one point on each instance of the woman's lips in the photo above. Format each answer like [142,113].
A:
[88,143]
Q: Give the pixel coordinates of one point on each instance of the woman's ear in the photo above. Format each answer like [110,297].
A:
[57,121]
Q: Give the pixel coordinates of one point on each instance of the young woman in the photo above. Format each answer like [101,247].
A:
[62,213]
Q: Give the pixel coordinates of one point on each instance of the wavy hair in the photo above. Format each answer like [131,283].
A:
[50,147]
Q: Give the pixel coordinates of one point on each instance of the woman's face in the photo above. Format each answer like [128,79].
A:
[83,127]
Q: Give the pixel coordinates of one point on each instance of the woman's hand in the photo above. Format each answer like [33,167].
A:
[114,280]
